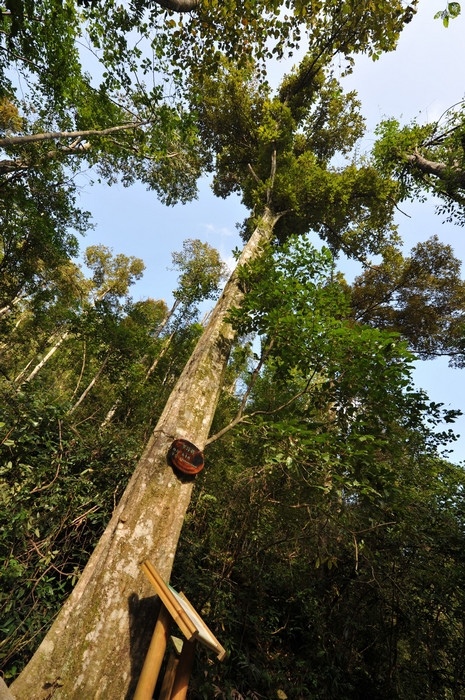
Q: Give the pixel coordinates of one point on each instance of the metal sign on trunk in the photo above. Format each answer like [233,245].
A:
[186,457]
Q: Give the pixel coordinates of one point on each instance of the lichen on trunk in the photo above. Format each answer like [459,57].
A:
[96,645]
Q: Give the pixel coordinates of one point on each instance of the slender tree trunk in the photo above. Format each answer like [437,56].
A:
[162,352]
[109,417]
[96,645]
[19,379]
[167,318]
[6,309]
[23,371]
[90,385]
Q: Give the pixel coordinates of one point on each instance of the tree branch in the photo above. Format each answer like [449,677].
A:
[240,418]
[427,166]
[253,173]
[53,135]
[453,175]
[179,5]
[269,189]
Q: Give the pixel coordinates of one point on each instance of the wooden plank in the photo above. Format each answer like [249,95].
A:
[183,613]
[168,678]
[183,672]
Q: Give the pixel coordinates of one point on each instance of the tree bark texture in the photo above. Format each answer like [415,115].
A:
[96,646]
[454,174]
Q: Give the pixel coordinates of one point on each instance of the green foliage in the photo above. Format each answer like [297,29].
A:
[280,157]
[44,41]
[421,297]
[38,223]
[57,492]
[322,591]
[201,272]
[324,544]
[272,29]
[112,274]
[451,11]
[63,462]
[391,150]
[317,536]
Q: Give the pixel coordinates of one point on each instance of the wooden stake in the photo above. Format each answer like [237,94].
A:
[183,673]
[168,678]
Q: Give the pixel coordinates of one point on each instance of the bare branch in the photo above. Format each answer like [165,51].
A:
[53,135]
[245,418]
[254,174]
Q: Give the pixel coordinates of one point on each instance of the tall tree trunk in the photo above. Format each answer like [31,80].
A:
[19,379]
[168,316]
[96,645]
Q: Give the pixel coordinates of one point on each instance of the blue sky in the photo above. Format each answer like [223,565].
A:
[421,79]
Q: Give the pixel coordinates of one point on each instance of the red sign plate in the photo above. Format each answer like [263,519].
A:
[186,457]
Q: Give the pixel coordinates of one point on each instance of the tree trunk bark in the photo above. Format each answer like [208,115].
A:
[96,645]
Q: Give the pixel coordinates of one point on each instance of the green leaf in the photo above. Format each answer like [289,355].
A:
[454,9]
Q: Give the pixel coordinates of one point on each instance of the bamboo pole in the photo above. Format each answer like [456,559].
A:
[170,601]
[154,658]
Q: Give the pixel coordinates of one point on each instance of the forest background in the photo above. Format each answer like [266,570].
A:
[325,543]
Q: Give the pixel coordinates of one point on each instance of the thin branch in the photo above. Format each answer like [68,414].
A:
[18,56]
[245,418]
[401,211]
[255,373]
[90,385]
[254,174]
[356,551]
[38,489]
[77,521]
